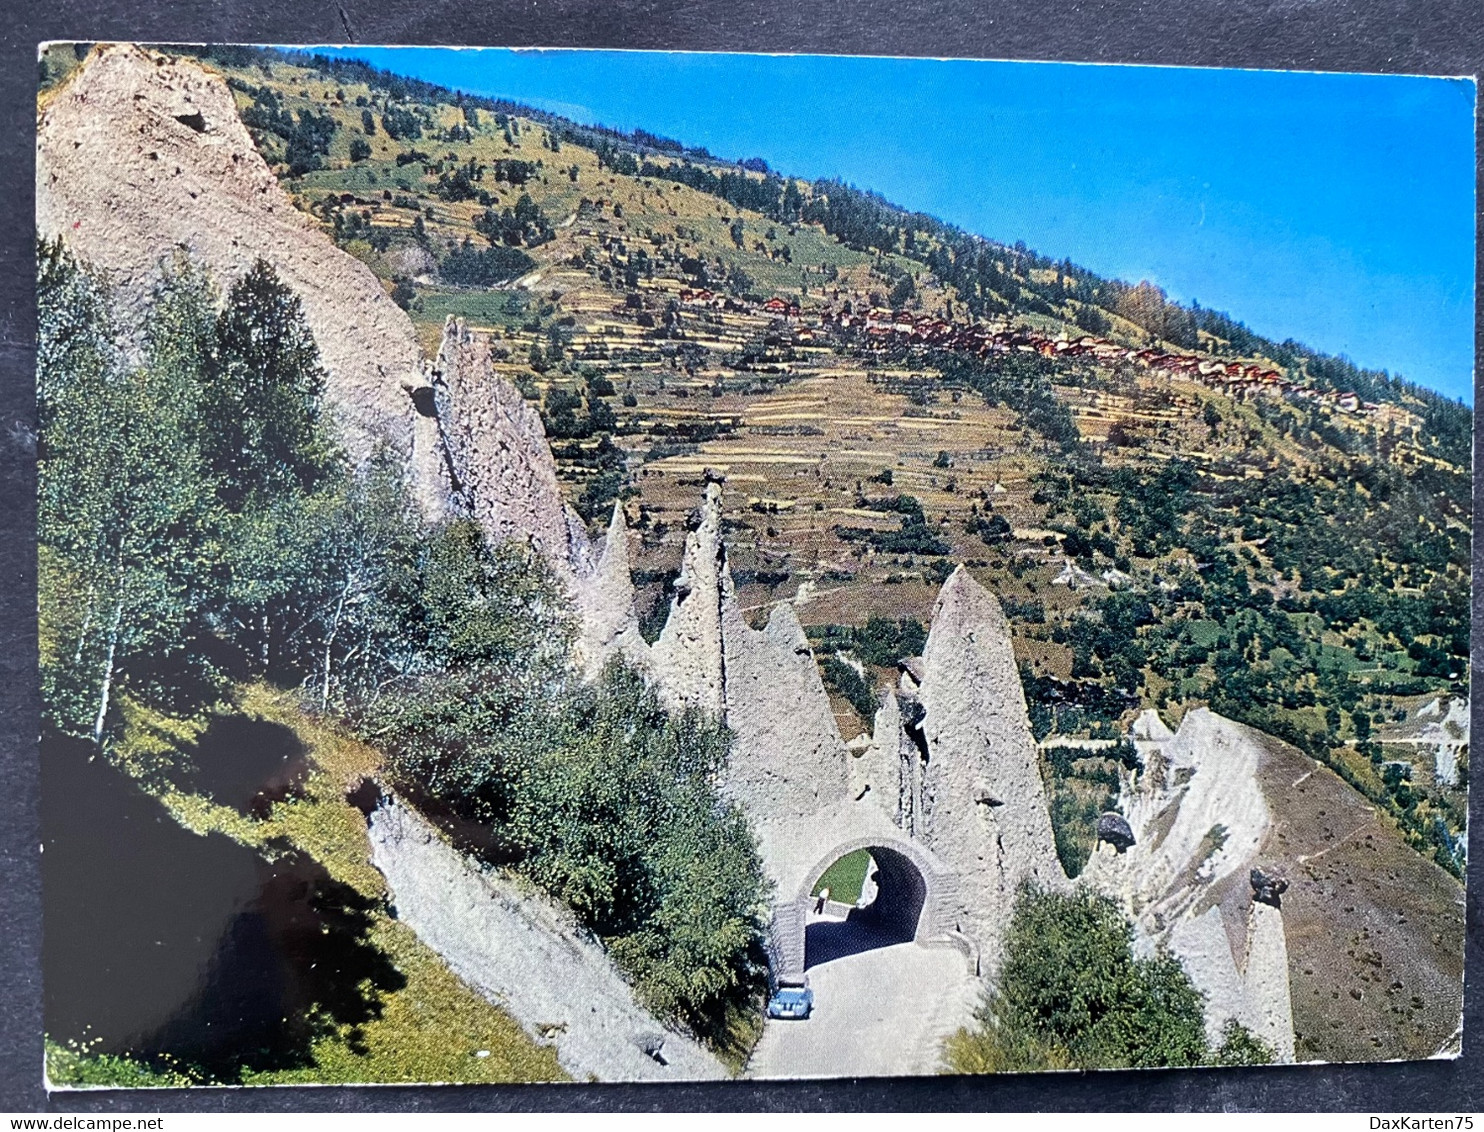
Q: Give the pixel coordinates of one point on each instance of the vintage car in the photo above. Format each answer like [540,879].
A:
[792,999]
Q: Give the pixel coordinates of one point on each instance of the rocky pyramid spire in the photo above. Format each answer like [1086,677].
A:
[1265,973]
[1249,984]
[497,450]
[140,157]
[984,807]
[687,658]
[605,597]
[788,759]
[888,770]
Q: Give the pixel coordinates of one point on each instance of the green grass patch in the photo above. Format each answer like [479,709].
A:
[433,1029]
[846,877]
[73,1065]
[501,309]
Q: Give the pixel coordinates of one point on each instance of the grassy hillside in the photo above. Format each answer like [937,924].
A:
[1375,935]
[1158,538]
[409,1019]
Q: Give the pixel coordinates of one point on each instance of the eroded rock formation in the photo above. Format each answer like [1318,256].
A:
[1190,878]
[606,600]
[1200,791]
[140,157]
[526,955]
[1447,732]
[984,807]
[498,453]
[1265,972]
[687,657]
[947,787]
[788,762]
[889,769]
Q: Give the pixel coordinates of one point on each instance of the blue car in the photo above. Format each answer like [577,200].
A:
[791,1001]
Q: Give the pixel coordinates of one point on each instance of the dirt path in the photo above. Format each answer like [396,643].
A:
[878,1013]
[520,953]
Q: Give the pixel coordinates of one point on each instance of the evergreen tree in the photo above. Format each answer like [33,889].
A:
[261,427]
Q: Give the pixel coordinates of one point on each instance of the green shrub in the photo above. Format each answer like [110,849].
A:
[880,641]
[840,677]
[1239,1046]
[1071,994]
[605,800]
[1074,822]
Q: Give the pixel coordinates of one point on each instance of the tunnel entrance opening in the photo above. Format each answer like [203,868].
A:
[877,901]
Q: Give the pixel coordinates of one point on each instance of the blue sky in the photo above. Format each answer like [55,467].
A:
[1336,209]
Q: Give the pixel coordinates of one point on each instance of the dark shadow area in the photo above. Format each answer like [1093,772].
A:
[891,918]
[365,794]
[160,943]
[248,764]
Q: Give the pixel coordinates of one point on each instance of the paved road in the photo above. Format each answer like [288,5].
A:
[877,1013]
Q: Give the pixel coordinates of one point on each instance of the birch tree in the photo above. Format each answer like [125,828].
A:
[124,515]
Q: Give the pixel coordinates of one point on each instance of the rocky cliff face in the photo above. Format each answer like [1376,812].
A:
[1198,816]
[140,156]
[1200,822]
[498,454]
[983,804]
[1446,731]
[688,658]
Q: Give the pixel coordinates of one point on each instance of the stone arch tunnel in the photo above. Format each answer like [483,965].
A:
[893,916]
[911,904]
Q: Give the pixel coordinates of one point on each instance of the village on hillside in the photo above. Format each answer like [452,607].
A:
[608,615]
[884,328]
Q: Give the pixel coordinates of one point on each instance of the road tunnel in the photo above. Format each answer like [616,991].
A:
[889,911]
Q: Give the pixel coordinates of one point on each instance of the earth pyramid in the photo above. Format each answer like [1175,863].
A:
[142,160]
[947,796]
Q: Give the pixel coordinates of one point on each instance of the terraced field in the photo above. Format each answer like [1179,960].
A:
[1149,535]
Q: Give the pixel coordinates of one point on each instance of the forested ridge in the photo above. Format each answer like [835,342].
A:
[202,534]
[1154,542]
